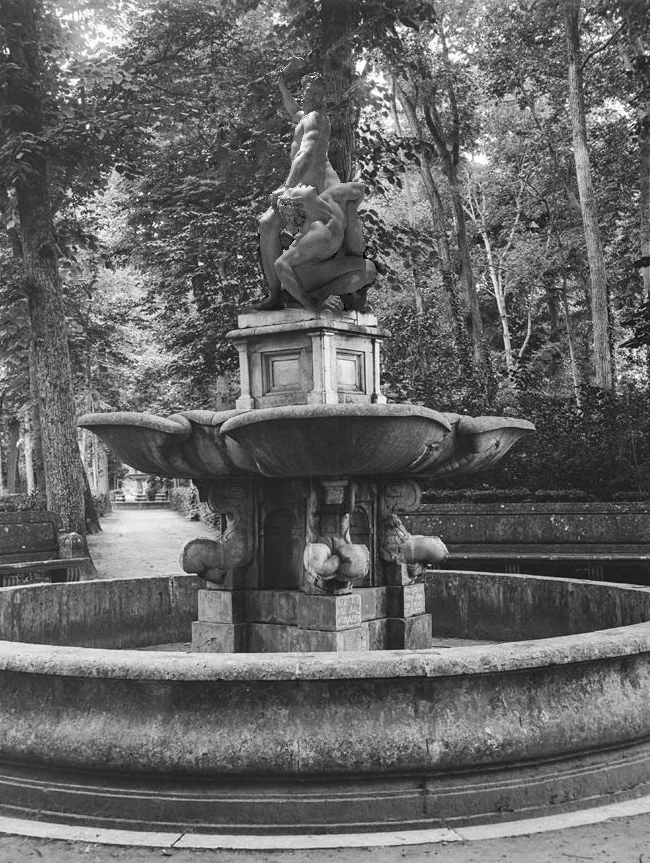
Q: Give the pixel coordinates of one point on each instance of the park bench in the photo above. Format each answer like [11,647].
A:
[586,540]
[33,548]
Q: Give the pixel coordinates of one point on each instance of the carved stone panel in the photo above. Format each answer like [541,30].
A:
[351,372]
[281,372]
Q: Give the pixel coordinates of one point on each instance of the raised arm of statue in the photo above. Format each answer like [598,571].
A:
[291,106]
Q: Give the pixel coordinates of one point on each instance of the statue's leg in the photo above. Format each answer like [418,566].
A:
[269,228]
[293,283]
[344,276]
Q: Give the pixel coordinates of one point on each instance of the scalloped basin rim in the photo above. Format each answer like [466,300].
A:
[355,411]
[29,658]
[176,424]
[476,425]
[209,418]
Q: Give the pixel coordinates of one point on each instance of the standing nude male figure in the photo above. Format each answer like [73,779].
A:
[309,166]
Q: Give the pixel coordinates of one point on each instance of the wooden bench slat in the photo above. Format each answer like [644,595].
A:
[43,565]
[28,557]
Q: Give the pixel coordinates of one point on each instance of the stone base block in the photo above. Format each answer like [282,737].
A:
[283,621]
[393,601]
[221,606]
[278,638]
[269,638]
[309,611]
[397,574]
[406,601]
[329,612]
[272,606]
[374,602]
[218,637]
[377,634]
[409,633]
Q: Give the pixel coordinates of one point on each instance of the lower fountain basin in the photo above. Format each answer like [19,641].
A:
[94,731]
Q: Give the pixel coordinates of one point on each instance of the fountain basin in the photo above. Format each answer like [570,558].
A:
[338,440]
[94,731]
[308,441]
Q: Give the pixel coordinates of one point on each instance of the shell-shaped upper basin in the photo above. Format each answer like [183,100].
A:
[308,440]
[338,440]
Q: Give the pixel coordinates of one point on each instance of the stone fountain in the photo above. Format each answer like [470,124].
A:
[313,700]
[310,471]
[309,475]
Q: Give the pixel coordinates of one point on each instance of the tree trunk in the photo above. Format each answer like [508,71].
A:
[644,185]
[458,312]
[636,15]
[91,520]
[37,441]
[12,456]
[474,321]
[598,276]
[29,460]
[222,395]
[338,18]
[103,479]
[496,276]
[63,471]
[575,374]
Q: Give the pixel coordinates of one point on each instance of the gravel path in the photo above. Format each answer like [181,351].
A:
[139,542]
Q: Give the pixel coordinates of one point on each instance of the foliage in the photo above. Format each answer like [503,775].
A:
[22,502]
[185,500]
[601,448]
[165,140]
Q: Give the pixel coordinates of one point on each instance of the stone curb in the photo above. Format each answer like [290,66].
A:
[296,842]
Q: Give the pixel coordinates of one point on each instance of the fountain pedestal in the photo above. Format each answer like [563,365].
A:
[270,621]
[293,356]
[306,565]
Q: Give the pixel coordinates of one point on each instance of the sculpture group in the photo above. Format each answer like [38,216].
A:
[326,255]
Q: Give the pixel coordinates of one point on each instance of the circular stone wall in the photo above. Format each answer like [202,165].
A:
[322,742]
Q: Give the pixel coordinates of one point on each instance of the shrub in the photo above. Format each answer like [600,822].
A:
[101,503]
[185,500]
[22,502]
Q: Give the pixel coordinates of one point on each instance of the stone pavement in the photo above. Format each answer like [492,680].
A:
[148,542]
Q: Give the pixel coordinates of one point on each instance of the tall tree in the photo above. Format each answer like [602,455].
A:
[439,226]
[25,109]
[338,19]
[597,271]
